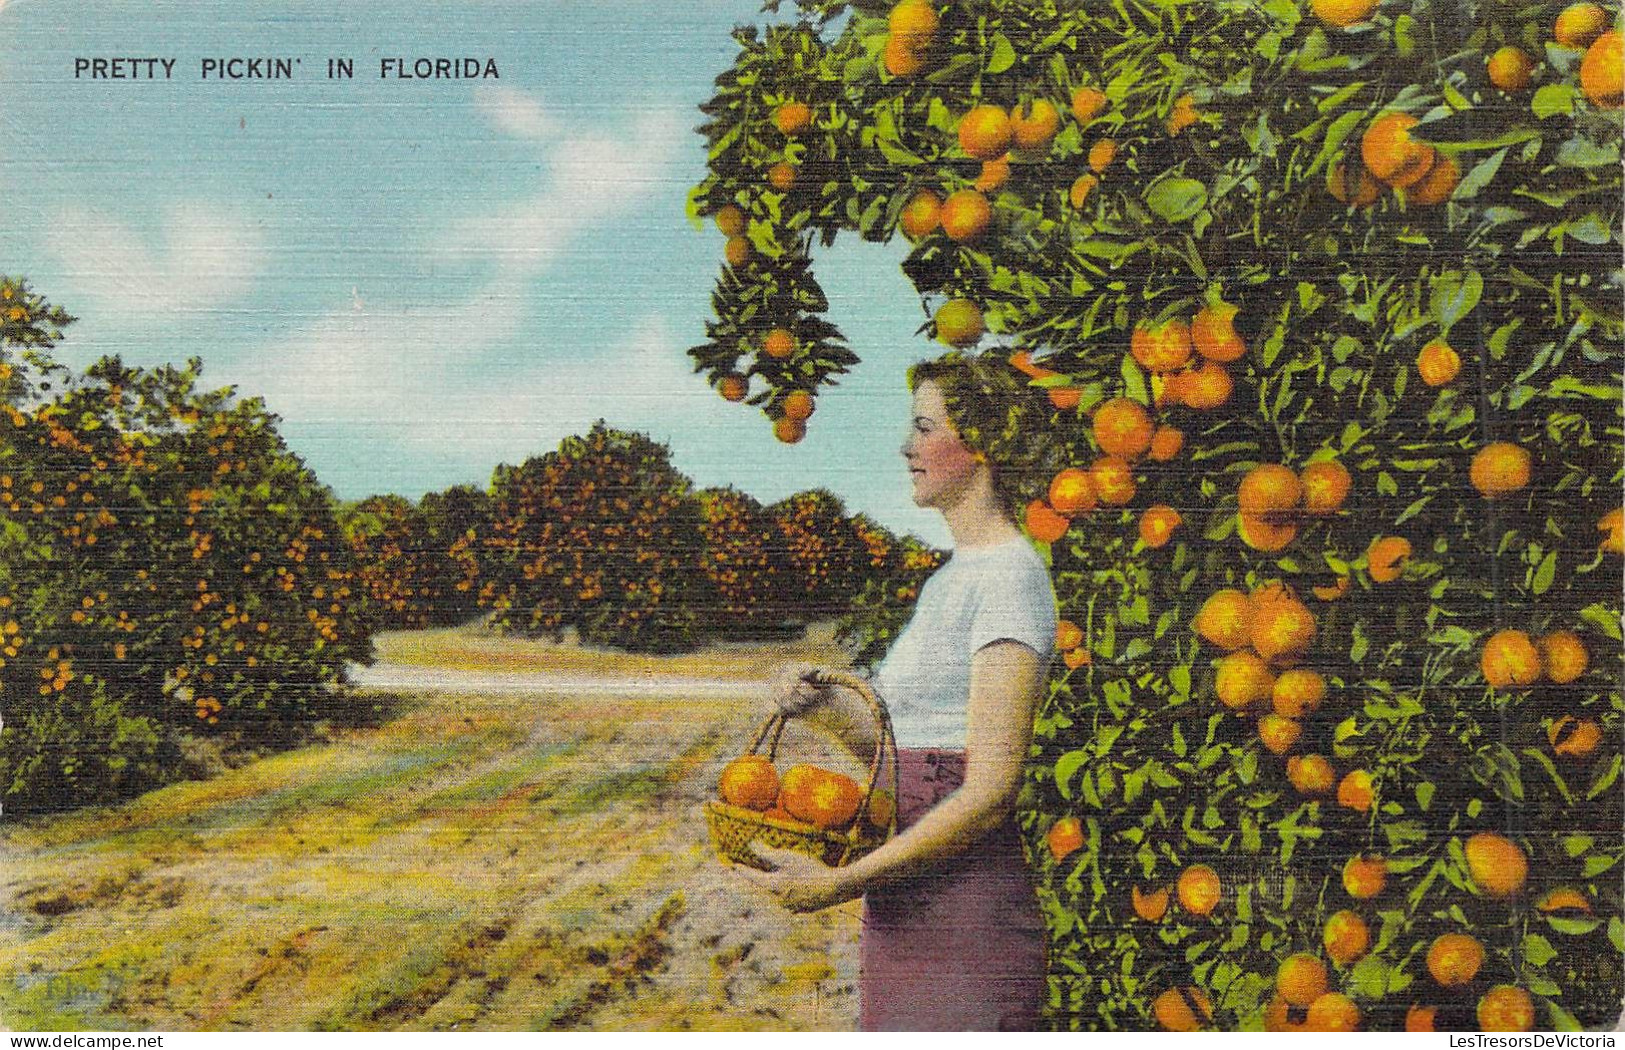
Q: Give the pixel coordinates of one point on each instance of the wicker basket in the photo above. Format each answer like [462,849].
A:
[734,829]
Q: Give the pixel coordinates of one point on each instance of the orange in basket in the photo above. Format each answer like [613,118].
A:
[817,812]
[819,797]
[750,781]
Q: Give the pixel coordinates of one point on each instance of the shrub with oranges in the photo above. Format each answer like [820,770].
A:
[606,537]
[1355,268]
[742,567]
[417,562]
[168,571]
[598,536]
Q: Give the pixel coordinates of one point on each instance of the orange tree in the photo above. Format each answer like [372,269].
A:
[606,537]
[415,561]
[744,568]
[167,569]
[823,554]
[454,520]
[601,535]
[1326,299]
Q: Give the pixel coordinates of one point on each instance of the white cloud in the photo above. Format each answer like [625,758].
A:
[595,177]
[387,364]
[360,362]
[529,413]
[510,111]
[206,258]
[421,409]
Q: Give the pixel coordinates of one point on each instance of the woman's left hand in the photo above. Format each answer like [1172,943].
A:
[799,882]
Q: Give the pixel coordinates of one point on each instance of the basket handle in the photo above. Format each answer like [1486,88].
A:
[885,739]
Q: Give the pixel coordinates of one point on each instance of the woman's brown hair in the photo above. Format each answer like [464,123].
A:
[998,414]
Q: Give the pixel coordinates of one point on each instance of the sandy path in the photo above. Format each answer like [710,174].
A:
[515,850]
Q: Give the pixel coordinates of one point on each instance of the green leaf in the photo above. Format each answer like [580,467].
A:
[1588,229]
[1480,176]
[1336,133]
[1562,1020]
[1455,296]
[1616,933]
[1404,834]
[1574,385]
[1237,939]
[1546,763]
[1583,153]
[1459,637]
[1176,199]
[1414,509]
[1545,574]
[894,153]
[1605,779]
[1601,617]
[1542,985]
[1273,345]
[1066,767]
[1086,789]
[1405,36]
[1505,764]
[1133,784]
[1424,794]
[1537,950]
[1407,707]
[1336,99]
[1572,927]
[1574,845]
[1003,56]
[1552,100]
[1501,338]
[1134,381]
[1283,11]
[1357,651]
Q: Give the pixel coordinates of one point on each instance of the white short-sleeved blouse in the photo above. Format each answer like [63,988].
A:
[979,596]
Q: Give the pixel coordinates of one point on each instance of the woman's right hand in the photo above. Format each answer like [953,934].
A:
[796,692]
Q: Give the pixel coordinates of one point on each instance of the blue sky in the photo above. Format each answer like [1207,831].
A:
[425,279]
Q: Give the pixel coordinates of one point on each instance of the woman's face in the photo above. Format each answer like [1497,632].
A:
[940,464]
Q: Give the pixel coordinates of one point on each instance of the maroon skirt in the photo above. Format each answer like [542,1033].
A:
[959,948]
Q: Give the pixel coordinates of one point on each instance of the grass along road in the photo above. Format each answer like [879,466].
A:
[502,859]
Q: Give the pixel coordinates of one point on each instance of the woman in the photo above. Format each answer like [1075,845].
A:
[952,937]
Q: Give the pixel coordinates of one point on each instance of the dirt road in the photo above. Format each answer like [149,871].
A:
[516,849]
